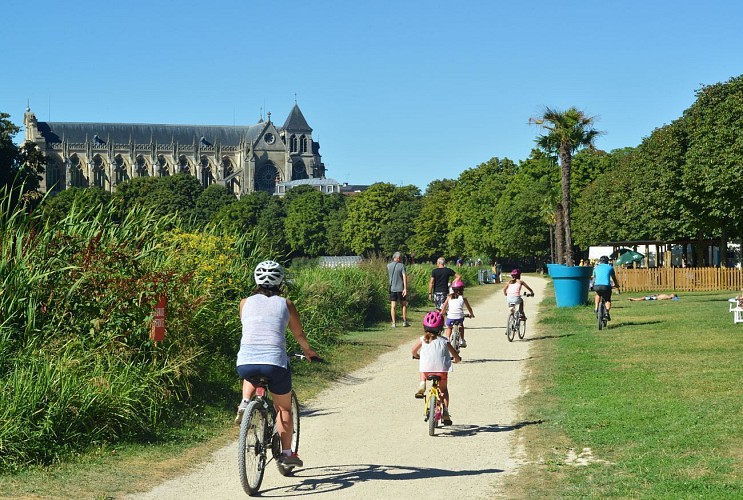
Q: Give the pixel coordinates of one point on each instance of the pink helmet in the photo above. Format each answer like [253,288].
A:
[516,273]
[433,322]
[457,284]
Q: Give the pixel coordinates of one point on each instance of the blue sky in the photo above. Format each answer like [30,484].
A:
[397,91]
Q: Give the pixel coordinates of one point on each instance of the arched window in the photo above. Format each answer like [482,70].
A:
[54,177]
[162,166]
[299,171]
[77,179]
[232,183]
[183,165]
[120,173]
[99,172]
[141,166]
[303,144]
[207,176]
[293,144]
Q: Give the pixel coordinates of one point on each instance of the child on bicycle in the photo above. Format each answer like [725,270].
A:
[512,291]
[436,355]
[454,308]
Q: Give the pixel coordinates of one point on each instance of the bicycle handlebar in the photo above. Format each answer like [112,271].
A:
[527,294]
[313,359]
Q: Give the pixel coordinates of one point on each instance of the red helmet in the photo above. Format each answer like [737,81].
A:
[516,273]
[433,322]
[457,285]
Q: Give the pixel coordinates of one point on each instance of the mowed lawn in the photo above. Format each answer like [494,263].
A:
[649,408]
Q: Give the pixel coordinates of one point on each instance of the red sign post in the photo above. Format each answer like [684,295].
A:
[157,333]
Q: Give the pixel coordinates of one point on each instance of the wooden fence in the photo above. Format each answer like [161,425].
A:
[680,278]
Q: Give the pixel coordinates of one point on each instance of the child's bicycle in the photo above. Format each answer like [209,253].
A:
[433,406]
[259,435]
[456,334]
[515,323]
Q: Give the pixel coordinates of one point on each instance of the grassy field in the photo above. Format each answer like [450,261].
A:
[111,472]
[650,408]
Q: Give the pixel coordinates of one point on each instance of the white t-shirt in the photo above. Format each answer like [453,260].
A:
[435,356]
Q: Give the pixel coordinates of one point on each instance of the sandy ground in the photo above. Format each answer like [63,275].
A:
[365,437]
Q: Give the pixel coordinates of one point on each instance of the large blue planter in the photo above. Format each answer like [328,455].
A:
[571,284]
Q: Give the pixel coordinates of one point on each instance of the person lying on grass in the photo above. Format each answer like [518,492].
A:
[661,296]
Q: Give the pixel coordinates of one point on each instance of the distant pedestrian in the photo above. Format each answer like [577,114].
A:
[398,280]
[438,285]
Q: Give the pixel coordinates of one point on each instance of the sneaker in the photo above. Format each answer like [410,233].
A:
[394,325]
[240,411]
[463,343]
[421,392]
[446,418]
[292,460]
[608,316]
[523,317]
[405,323]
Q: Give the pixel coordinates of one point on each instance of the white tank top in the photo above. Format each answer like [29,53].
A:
[264,321]
[455,309]
[435,356]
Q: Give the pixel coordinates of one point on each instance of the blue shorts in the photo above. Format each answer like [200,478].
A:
[451,322]
[279,379]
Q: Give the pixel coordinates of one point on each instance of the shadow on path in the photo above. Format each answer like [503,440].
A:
[317,480]
[485,360]
[473,430]
[545,337]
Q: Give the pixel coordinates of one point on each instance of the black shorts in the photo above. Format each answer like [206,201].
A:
[397,297]
[279,379]
[603,291]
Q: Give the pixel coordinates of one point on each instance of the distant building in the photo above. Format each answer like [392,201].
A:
[243,158]
[327,186]
[352,189]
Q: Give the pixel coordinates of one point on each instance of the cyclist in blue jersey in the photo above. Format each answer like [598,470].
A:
[603,274]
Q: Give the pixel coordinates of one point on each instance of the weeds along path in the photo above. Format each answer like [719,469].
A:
[366,438]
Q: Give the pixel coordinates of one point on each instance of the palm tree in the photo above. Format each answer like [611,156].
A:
[567,132]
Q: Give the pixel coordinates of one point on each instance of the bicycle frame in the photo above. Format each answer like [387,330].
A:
[434,393]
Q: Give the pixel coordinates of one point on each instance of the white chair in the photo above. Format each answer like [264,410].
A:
[737,311]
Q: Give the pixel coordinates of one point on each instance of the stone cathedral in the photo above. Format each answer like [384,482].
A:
[242,158]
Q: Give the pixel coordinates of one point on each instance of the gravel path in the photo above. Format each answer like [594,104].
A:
[366,438]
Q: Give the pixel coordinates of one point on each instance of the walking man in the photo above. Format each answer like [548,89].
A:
[398,280]
[438,285]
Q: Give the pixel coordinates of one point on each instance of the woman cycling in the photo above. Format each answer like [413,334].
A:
[264,317]
[512,291]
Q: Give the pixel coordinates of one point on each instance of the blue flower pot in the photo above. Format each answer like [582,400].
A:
[571,284]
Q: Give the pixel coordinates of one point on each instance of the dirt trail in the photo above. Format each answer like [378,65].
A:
[366,438]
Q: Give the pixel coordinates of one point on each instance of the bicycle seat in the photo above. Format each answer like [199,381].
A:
[259,381]
[435,378]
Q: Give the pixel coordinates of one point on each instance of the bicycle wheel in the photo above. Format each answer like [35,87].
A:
[251,457]
[286,470]
[511,327]
[600,314]
[456,340]
[432,404]
[522,328]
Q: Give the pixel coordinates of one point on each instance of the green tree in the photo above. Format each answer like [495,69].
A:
[335,207]
[397,234]
[369,213]
[212,199]
[566,132]
[305,223]
[430,229]
[55,208]
[8,150]
[714,159]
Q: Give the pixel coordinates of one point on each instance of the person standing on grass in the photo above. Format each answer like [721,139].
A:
[438,285]
[398,280]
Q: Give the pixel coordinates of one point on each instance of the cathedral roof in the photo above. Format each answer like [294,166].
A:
[296,122]
[139,133]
